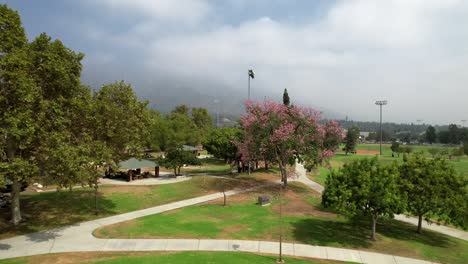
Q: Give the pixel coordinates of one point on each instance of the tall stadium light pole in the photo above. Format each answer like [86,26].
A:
[381,103]
[250,74]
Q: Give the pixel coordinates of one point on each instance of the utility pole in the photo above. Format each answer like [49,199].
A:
[250,74]
[281,260]
[381,103]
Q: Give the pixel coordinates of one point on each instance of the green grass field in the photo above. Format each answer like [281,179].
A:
[209,165]
[304,222]
[162,257]
[53,209]
[320,174]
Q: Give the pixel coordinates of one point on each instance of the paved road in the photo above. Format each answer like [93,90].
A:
[78,238]
[302,177]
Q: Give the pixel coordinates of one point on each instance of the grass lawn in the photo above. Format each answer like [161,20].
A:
[304,222]
[209,165]
[160,257]
[53,209]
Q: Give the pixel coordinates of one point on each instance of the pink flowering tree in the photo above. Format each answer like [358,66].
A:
[285,133]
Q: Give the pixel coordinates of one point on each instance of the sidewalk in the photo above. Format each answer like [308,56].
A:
[302,177]
[78,238]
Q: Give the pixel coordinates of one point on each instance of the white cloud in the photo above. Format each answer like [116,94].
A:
[172,10]
[405,51]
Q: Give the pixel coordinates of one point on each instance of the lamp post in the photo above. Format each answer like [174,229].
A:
[280,259]
[250,74]
[381,103]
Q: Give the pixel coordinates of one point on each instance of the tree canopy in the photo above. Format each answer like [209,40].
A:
[275,130]
[432,188]
[364,187]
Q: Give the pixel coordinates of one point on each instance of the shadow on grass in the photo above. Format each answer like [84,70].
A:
[356,233]
[54,209]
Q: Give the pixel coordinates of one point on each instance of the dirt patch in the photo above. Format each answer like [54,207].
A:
[367,152]
[297,206]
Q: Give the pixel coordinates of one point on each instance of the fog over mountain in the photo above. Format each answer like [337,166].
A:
[337,56]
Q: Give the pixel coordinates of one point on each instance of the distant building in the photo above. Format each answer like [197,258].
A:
[192,149]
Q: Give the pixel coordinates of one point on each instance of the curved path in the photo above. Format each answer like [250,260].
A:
[79,238]
[302,177]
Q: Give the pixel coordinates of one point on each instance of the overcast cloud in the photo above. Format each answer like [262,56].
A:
[338,56]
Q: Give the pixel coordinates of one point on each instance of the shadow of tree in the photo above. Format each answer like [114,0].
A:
[54,209]
[4,246]
[356,232]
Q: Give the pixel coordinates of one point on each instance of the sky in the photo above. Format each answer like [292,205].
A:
[337,56]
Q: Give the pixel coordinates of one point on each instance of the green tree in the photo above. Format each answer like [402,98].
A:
[364,187]
[176,158]
[181,129]
[12,36]
[19,104]
[122,121]
[429,185]
[202,120]
[396,148]
[221,142]
[158,134]
[431,135]
[286,100]
[453,134]
[352,136]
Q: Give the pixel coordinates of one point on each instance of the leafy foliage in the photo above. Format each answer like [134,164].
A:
[431,187]
[364,187]
[221,143]
[352,136]
[176,158]
[274,130]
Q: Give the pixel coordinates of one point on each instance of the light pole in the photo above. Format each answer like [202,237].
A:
[250,74]
[281,260]
[216,101]
[381,103]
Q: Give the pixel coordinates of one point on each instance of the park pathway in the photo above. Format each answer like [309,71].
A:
[79,238]
[302,177]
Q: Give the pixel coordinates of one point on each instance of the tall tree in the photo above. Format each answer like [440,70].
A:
[12,36]
[122,120]
[176,158]
[364,187]
[221,142]
[202,119]
[286,133]
[396,148]
[430,186]
[453,134]
[286,100]
[431,134]
[352,136]
[19,104]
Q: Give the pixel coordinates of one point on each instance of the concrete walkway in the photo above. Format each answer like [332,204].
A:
[302,177]
[79,238]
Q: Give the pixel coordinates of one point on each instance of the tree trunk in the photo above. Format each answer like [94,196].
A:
[16,188]
[175,172]
[284,176]
[374,223]
[15,202]
[266,165]
[419,224]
